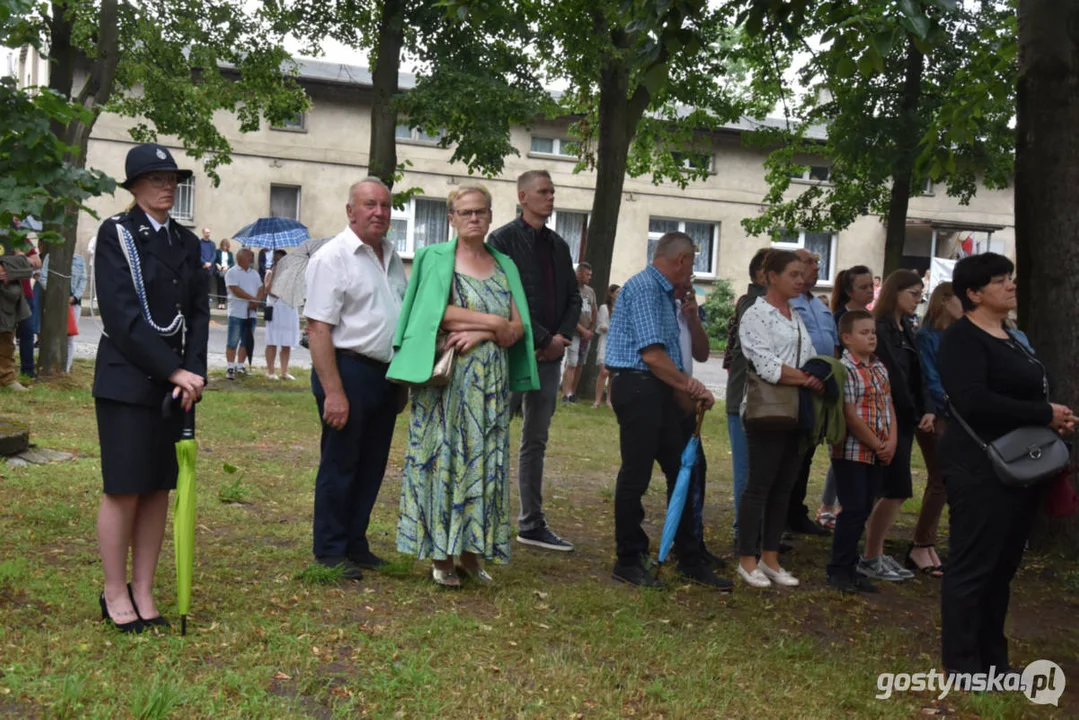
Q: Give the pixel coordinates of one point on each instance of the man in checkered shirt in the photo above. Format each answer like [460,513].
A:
[870,443]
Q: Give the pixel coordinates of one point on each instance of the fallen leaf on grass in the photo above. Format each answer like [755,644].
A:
[281,676]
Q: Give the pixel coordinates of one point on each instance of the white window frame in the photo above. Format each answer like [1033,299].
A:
[827,275]
[558,143]
[184,212]
[289,126]
[409,214]
[416,136]
[299,197]
[711,275]
[807,177]
[927,189]
[552,222]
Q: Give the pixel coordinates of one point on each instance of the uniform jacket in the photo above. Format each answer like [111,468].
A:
[516,240]
[134,361]
[425,304]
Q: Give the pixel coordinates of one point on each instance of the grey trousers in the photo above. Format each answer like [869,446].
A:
[538,407]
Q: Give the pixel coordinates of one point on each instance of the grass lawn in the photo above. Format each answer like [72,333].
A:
[270,637]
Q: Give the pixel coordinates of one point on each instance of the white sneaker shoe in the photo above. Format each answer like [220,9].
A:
[271,376]
[755,578]
[288,376]
[779,577]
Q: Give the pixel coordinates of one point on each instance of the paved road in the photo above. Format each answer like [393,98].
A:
[711,373]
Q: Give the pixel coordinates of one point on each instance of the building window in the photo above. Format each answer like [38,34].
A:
[184,207]
[296,122]
[927,187]
[694,161]
[411,134]
[705,236]
[573,228]
[285,201]
[423,222]
[563,147]
[814,173]
[823,244]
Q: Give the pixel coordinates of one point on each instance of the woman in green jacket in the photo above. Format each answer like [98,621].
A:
[455,494]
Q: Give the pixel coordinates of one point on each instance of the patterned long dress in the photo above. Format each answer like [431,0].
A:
[455,495]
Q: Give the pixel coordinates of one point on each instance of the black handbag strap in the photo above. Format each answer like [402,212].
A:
[963,424]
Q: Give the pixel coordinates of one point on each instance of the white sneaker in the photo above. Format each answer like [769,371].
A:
[755,578]
[779,577]
[17,386]
[288,376]
[271,376]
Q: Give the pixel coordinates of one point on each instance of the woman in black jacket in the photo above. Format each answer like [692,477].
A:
[154,306]
[997,386]
[897,349]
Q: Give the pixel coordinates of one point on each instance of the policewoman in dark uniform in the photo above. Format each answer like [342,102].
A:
[153,301]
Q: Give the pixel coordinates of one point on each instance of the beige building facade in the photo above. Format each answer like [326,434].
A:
[304,171]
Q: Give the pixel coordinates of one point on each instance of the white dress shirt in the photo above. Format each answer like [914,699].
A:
[348,288]
[685,340]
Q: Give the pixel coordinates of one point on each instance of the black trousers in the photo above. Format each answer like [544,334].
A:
[774,459]
[857,485]
[797,512]
[697,480]
[990,524]
[353,459]
[650,431]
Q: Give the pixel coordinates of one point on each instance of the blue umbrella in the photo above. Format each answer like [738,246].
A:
[678,497]
[273,233]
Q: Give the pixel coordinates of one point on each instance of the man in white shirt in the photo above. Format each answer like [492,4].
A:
[245,293]
[355,284]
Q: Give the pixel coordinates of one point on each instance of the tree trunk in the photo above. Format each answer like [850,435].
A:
[907,137]
[382,162]
[1047,201]
[94,94]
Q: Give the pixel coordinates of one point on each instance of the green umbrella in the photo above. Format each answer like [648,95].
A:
[183,514]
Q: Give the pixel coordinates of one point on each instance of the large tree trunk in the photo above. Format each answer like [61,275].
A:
[387,63]
[94,94]
[907,137]
[1047,199]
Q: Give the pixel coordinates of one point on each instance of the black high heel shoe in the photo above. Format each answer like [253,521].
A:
[149,622]
[135,626]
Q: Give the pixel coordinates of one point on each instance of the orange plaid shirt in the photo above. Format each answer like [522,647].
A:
[869,391]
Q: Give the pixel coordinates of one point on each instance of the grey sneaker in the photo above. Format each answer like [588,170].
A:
[898,569]
[877,569]
[230,374]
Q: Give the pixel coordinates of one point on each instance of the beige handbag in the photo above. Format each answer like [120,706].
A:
[770,406]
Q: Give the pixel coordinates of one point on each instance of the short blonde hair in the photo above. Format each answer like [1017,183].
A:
[468,190]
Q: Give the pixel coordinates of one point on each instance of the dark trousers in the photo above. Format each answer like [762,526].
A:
[650,431]
[25,331]
[774,459]
[989,527]
[353,459]
[797,512]
[697,479]
[857,485]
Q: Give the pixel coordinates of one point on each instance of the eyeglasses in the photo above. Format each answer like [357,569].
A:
[161,180]
[478,213]
[916,293]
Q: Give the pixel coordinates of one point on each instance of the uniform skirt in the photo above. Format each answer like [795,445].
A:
[138,447]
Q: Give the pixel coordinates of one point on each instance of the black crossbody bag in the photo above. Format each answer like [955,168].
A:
[1026,456]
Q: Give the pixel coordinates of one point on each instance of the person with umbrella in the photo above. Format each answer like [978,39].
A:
[649,385]
[154,306]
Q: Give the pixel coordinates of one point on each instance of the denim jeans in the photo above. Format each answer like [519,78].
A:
[739,459]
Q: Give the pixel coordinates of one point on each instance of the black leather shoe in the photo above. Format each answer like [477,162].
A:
[703,575]
[715,561]
[349,569]
[368,561]
[805,526]
[149,622]
[635,575]
[135,626]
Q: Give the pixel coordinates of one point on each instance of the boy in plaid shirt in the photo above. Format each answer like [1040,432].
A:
[870,443]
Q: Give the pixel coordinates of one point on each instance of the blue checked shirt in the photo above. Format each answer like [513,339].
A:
[820,323]
[644,315]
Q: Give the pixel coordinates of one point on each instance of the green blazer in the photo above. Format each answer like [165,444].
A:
[425,304]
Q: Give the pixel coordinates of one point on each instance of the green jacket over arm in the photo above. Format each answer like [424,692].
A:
[425,304]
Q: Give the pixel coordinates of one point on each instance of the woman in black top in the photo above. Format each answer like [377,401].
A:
[896,347]
[996,386]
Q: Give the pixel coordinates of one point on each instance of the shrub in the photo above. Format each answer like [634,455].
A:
[718,309]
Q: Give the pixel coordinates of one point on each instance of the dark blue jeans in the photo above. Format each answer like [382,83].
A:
[353,458]
[857,485]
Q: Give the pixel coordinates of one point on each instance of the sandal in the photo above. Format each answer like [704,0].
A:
[933,571]
[477,575]
[445,578]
